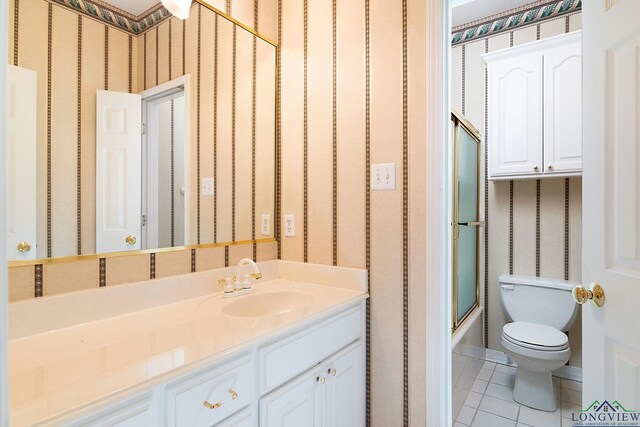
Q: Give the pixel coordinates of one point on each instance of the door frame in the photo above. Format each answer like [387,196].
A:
[4,279]
[181,83]
[438,214]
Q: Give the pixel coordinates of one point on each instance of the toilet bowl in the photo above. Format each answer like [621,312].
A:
[540,309]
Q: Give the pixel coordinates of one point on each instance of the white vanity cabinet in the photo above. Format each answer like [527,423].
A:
[535,109]
[312,374]
[331,395]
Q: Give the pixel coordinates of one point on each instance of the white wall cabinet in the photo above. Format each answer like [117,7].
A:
[329,395]
[535,109]
[312,375]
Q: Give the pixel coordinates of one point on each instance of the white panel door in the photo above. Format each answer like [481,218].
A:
[563,108]
[611,198]
[299,403]
[515,115]
[21,164]
[344,391]
[118,171]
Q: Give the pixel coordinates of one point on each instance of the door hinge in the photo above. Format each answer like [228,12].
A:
[143,220]
[144,128]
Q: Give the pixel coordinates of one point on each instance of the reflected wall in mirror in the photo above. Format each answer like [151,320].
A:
[124,139]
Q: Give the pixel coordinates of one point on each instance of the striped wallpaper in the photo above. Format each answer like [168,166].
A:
[353,95]
[534,226]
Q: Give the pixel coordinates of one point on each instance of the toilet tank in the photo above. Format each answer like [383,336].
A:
[538,300]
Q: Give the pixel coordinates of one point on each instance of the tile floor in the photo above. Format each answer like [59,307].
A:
[490,402]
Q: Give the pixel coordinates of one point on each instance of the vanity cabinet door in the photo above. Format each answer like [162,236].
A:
[298,403]
[344,389]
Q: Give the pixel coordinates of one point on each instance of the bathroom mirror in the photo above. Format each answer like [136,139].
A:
[132,132]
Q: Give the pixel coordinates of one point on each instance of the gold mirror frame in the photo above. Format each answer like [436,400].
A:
[276,238]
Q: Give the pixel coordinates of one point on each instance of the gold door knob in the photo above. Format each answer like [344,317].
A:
[131,240]
[24,247]
[595,294]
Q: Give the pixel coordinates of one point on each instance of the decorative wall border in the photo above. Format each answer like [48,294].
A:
[512,19]
[110,15]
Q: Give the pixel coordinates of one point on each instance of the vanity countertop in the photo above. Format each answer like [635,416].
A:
[61,369]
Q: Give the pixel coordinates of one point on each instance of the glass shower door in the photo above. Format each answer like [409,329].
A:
[466,221]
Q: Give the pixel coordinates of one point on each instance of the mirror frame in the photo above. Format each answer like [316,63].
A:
[276,233]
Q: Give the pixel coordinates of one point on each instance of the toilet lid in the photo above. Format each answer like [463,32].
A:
[532,335]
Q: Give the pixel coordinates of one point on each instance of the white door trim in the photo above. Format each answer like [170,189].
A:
[4,287]
[438,261]
[163,90]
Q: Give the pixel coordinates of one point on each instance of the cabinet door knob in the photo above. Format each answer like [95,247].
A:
[321,380]
[550,167]
[334,372]
[535,168]
[24,247]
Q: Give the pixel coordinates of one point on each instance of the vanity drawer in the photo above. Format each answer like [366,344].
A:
[284,359]
[206,397]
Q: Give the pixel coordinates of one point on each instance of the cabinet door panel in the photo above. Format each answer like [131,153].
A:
[563,109]
[344,393]
[296,404]
[515,115]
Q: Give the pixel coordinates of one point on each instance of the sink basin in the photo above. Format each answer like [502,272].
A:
[268,304]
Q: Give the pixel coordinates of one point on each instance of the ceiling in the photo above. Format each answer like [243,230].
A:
[465,11]
[134,7]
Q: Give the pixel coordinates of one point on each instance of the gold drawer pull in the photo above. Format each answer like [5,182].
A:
[232,396]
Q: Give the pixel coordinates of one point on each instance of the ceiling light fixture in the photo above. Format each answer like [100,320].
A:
[178,8]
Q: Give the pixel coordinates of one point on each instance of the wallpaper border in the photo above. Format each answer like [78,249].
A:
[515,18]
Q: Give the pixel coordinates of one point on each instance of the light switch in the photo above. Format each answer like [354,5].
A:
[289,226]
[383,176]
[266,225]
[206,188]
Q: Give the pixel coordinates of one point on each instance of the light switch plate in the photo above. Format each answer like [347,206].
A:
[289,226]
[206,188]
[266,225]
[383,176]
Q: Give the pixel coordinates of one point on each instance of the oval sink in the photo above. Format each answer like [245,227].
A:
[268,304]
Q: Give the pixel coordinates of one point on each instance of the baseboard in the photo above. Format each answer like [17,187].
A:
[567,372]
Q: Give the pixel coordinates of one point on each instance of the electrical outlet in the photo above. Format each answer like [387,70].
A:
[289,226]
[266,225]
[383,176]
[206,188]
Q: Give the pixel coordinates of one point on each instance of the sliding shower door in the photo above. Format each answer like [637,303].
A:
[466,221]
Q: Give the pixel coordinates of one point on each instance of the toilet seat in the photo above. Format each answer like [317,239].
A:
[535,337]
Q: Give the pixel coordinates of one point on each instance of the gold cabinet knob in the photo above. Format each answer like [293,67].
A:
[131,240]
[321,380]
[595,294]
[24,247]
[334,372]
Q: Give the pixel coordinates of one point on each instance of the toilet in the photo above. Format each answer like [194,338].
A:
[539,310]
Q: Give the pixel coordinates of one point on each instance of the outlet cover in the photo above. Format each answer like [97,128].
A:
[383,176]
[266,225]
[289,226]
[206,188]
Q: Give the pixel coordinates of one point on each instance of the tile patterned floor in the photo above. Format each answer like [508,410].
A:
[490,402]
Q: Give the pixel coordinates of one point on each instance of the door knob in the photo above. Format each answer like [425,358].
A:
[595,294]
[131,240]
[24,247]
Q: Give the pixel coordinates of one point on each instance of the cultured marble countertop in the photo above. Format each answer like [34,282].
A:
[62,369]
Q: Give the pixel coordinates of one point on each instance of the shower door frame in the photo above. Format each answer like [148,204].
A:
[458,121]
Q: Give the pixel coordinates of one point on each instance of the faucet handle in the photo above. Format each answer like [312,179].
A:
[256,275]
[222,281]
